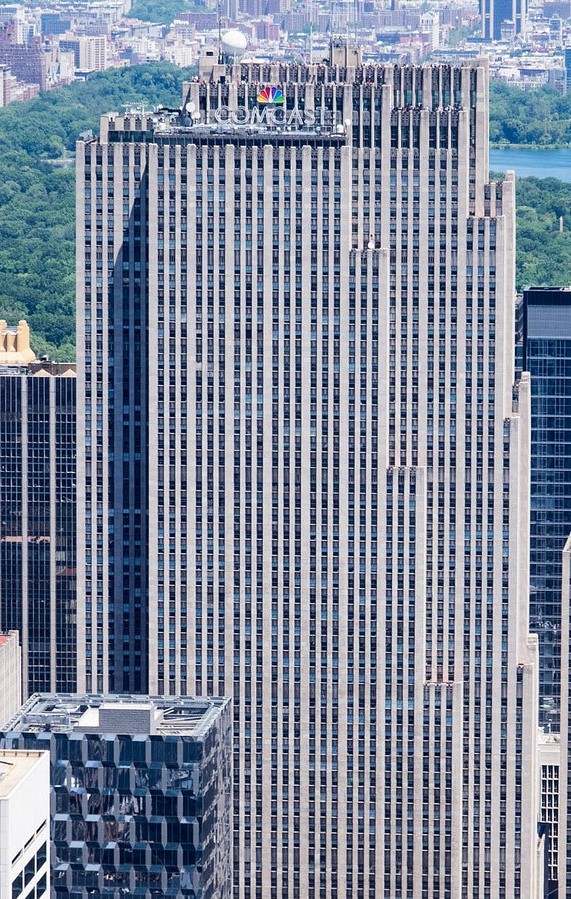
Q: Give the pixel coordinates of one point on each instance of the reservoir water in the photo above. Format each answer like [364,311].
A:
[538,163]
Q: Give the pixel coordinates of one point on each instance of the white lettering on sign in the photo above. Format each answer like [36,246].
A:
[267,115]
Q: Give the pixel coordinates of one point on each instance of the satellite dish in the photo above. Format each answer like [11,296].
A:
[190,107]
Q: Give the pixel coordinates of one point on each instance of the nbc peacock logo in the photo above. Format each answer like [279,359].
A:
[271,95]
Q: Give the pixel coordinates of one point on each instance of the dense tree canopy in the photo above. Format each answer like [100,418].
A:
[160,11]
[37,187]
[37,205]
[540,118]
[543,251]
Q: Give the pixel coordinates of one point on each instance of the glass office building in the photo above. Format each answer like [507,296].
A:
[508,16]
[544,350]
[140,792]
[38,510]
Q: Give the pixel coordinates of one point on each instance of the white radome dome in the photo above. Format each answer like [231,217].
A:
[234,42]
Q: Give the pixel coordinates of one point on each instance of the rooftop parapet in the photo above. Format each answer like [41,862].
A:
[15,346]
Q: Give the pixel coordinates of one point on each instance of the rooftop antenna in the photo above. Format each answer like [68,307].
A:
[219,32]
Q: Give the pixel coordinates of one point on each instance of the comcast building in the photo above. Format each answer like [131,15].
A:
[304,467]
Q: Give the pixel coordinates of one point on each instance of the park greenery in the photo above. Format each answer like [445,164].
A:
[543,251]
[161,12]
[37,201]
[37,193]
[532,118]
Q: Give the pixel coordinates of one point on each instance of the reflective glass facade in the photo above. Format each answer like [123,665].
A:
[38,520]
[498,13]
[142,813]
[544,324]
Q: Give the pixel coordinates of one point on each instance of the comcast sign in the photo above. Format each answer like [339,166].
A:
[270,111]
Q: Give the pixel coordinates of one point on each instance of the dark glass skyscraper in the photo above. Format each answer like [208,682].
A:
[494,13]
[544,350]
[38,511]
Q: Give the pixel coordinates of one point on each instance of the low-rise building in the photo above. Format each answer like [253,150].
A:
[10,676]
[140,792]
[24,824]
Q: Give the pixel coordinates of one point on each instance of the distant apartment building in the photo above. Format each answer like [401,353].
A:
[140,792]
[265,30]
[6,83]
[24,824]
[27,61]
[8,13]
[202,21]
[37,522]
[10,676]
[90,51]
[53,23]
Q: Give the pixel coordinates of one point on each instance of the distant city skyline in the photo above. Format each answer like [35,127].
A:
[48,47]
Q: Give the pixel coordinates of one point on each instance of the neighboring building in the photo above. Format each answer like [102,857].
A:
[506,14]
[567,70]
[544,350]
[141,792]
[549,761]
[565,762]
[24,824]
[37,521]
[10,676]
[304,476]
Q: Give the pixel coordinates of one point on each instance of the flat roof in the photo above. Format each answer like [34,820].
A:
[15,764]
[6,638]
[139,715]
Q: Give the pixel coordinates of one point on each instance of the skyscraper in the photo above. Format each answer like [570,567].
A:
[305,467]
[544,348]
[37,510]
[564,827]
[496,13]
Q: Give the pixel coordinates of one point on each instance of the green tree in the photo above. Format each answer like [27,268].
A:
[540,118]
[37,197]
